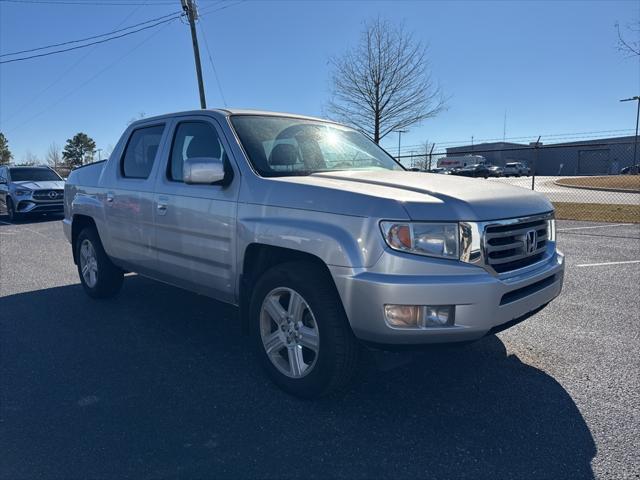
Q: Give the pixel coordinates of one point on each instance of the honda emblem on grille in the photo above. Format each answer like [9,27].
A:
[52,194]
[531,241]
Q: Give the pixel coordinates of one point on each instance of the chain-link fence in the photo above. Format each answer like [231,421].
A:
[588,180]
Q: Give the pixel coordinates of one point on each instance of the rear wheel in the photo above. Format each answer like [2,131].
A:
[100,278]
[301,333]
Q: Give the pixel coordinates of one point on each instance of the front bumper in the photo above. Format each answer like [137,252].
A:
[37,206]
[484,303]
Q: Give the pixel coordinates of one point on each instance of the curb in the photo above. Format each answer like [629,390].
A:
[601,189]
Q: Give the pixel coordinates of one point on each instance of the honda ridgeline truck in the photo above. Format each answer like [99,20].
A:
[320,237]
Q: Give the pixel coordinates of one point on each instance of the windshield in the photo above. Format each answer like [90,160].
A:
[33,175]
[279,146]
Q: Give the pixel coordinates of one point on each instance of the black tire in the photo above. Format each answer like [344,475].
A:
[338,352]
[11,211]
[108,277]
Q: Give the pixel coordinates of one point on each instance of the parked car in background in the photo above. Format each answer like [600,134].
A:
[480,171]
[495,171]
[632,170]
[516,169]
[442,171]
[30,190]
[461,161]
[323,240]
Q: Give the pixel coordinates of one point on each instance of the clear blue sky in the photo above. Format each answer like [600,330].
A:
[553,66]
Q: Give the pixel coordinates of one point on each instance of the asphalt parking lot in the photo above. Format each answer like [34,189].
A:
[159,383]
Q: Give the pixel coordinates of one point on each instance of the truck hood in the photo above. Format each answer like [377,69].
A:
[48,185]
[422,196]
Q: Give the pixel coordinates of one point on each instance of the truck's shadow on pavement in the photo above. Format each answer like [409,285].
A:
[159,383]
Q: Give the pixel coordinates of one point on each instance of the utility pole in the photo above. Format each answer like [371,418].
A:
[189,8]
[535,163]
[431,155]
[400,132]
[635,143]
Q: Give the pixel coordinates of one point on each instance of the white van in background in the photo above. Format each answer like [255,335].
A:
[461,161]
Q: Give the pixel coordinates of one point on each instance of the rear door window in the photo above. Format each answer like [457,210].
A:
[141,152]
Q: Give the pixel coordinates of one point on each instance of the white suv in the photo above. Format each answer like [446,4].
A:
[516,169]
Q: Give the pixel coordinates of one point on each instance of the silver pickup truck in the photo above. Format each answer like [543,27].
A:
[320,237]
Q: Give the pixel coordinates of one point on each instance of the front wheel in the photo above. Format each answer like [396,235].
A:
[100,278]
[301,333]
[11,211]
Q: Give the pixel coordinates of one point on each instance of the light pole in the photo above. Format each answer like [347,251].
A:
[400,132]
[635,143]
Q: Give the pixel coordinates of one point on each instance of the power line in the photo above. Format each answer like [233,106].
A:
[91,43]
[90,79]
[46,47]
[207,10]
[33,98]
[91,4]
[213,67]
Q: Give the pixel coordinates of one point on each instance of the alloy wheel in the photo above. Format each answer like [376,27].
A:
[88,263]
[289,332]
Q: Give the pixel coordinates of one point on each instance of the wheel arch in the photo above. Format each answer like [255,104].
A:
[260,257]
[79,223]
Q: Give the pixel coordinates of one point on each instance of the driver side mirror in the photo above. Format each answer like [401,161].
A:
[203,170]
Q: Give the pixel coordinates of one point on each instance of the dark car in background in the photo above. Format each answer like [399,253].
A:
[440,170]
[479,170]
[30,190]
[631,170]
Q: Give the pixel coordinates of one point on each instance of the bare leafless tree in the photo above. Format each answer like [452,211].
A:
[427,152]
[384,83]
[54,155]
[629,42]
[29,159]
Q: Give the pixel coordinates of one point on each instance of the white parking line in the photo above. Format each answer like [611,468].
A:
[607,263]
[594,226]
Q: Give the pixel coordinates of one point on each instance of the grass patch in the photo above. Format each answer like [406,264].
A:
[630,183]
[597,212]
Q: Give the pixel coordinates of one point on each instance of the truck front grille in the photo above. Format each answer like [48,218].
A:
[48,194]
[517,245]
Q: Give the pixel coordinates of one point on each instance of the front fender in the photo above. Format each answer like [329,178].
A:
[338,240]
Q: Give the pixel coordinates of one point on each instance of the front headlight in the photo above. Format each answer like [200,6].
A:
[430,239]
[22,192]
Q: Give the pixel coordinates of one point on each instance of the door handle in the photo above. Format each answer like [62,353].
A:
[109,197]
[161,206]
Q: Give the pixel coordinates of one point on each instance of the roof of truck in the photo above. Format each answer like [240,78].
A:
[234,111]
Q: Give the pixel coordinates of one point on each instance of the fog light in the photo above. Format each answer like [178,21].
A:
[419,316]
[438,316]
[402,316]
